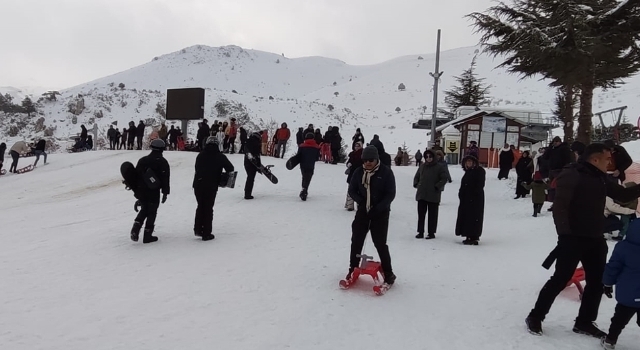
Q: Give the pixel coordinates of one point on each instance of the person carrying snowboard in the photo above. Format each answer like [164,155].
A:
[373,187]
[153,171]
[209,165]
[252,162]
[308,153]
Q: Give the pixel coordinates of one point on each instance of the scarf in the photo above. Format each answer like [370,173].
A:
[366,182]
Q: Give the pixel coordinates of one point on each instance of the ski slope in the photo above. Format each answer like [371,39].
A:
[72,279]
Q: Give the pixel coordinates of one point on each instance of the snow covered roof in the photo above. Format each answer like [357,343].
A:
[450,130]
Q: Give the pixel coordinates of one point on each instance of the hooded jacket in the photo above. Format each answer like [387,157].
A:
[430,180]
[623,269]
[209,165]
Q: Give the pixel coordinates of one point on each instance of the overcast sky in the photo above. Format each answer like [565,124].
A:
[62,43]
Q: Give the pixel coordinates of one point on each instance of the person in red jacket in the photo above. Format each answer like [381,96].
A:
[233,133]
[282,135]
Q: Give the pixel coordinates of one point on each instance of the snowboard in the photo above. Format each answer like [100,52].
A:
[130,177]
[293,162]
[228,180]
[265,170]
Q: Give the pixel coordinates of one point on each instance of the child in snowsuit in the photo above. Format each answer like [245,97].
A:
[623,271]
[538,195]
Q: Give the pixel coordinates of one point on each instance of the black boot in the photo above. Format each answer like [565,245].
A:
[135,231]
[588,328]
[534,326]
[518,196]
[420,235]
[148,237]
[303,194]
[431,236]
[389,278]
[208,237]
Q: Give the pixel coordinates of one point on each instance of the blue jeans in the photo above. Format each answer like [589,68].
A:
[38,153]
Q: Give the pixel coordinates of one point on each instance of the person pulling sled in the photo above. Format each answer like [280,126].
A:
[373,188]
[153,175]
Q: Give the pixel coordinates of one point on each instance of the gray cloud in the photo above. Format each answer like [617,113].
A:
[65,43]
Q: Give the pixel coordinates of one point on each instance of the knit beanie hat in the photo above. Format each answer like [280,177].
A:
[309,136]
[370,152]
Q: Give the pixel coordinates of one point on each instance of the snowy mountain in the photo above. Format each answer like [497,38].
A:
[298,91]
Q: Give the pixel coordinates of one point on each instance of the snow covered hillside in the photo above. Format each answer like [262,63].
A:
[300,91]
[72,279]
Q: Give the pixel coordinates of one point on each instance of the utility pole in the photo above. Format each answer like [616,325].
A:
[436,77]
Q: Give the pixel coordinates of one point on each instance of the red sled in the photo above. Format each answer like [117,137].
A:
[180,143]
[578,277]
[367,267]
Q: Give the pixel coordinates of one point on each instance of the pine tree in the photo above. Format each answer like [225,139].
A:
[579,43]
[28,106]
[566,100]
[470,90]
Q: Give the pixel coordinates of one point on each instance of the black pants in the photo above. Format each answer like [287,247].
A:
[251,177]
[204,212]
[379,227]
[242,147]
[139,141]
[148,211]
[571,250]
[620,319]
[306,178]
[14,164]
[425,207]
[335,155]
[113,143]
[504,172]
[174,144]
[232,145]
[418,162]
[537,208]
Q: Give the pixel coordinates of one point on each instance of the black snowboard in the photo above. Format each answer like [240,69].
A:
[130,177]
[265,170]
[228,180]
[293,162]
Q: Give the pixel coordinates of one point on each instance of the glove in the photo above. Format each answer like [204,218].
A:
[136,205]
[164,198]
[608,291]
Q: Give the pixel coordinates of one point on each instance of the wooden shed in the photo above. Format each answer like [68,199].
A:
[490,130]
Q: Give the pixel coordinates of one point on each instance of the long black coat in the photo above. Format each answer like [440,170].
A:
[209,165]
[355,162]
[524,171]
[156,162]
[471,208]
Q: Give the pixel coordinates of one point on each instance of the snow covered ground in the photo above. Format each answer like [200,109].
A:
[72,279]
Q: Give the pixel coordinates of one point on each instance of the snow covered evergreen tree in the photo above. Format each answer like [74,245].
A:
[469,92]
[566,100]
[28,106]
[575,43]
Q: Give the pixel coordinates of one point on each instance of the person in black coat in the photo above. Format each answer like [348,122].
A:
[40,150]
[243,140]
[354,162]
[373,187]
[300,136]
[173,138]
[83,134]
[154,172]
[204,131]
[336,144]
[132,135]
[3,148]
[308,154]
[385,158]
[252,162]
[209,165]
[140,134]
[471,194]
[620,159]
[111,135]
[582,189]
[123,139]
[505,162]
[357,137]
[524,171]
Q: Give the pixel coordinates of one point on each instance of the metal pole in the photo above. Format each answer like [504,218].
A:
[436,77]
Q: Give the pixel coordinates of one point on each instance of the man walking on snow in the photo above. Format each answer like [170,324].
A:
[308,154]
[209,165]
[581,193]
[373,187]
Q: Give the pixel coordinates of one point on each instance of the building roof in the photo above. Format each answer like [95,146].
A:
[477,114]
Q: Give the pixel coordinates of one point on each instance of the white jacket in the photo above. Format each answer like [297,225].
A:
[21,147]
[611,207]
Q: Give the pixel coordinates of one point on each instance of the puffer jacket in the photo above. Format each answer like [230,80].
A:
[623,269]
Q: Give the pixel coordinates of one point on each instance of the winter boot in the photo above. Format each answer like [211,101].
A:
[135,231]
[303,194]
[534,326]
[349,274]
[420,235]
[588,328]
[469,241]
[148,237]
[389,278]
[518,196]
[208,237]
[431,236]
[248,196]
[607,344]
